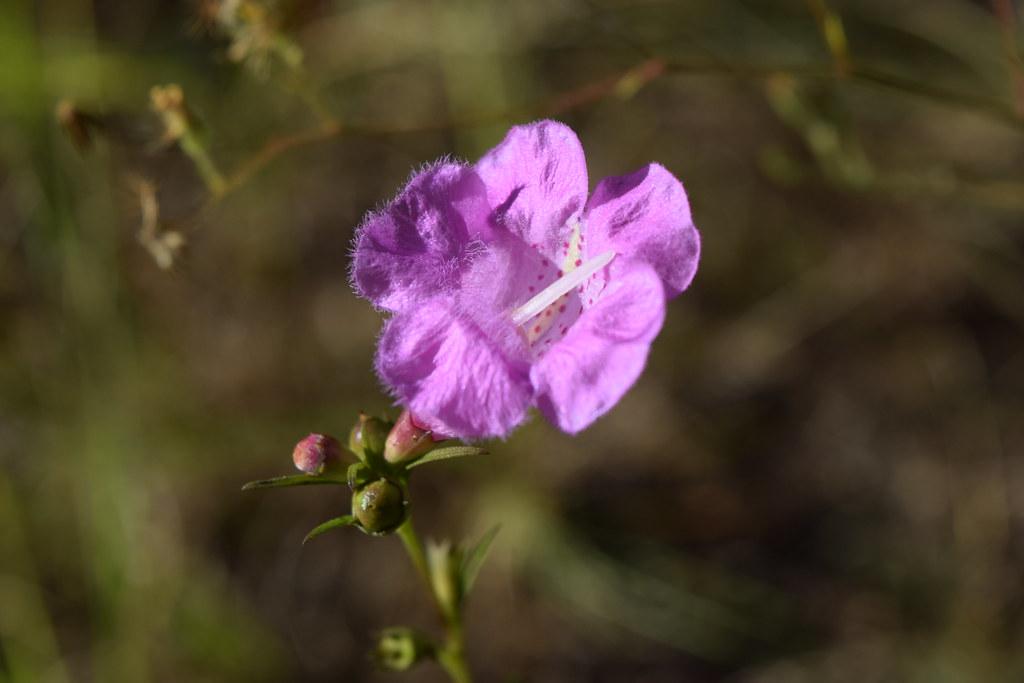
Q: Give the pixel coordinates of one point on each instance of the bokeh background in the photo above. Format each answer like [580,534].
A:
[820,476]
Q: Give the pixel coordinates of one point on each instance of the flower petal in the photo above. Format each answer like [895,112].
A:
[536,180]
[446,371]
[586,374]
[646,215]
[416,246]
[503,277]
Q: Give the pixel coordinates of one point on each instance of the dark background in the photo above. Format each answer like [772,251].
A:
[819,478]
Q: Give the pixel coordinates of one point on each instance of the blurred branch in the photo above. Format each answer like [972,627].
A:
[624,85]
[1008,23]
[831,27]
[163,245]
[274,148]
[181,127]
[993,108]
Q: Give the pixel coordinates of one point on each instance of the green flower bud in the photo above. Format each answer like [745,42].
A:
[379,507]
[445,561]
[407,440]
[399,649]
[368,435]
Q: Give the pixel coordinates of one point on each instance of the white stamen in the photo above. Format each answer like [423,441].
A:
[559,287]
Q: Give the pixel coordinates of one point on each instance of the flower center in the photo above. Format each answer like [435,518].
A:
[560,287]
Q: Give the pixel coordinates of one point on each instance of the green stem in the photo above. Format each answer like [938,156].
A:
[451,656]
[414,547]
[196,151]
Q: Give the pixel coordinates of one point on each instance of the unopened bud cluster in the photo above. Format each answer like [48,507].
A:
[378,480]
[379,493]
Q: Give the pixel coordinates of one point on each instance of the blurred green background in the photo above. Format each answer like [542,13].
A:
[820,476]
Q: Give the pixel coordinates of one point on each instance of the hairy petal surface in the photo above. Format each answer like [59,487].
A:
[536,180]
[417,246]
[645,215]
[584,375]
[449,374]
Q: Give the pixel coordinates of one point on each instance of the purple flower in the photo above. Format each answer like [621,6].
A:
[508,288]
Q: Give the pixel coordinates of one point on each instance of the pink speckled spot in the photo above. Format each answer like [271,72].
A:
[579,262]
[561,309]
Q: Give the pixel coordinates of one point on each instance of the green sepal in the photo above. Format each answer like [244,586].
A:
[359,475]
[344,520]
[291,480]
[446,454]
[376,462]
[473,559]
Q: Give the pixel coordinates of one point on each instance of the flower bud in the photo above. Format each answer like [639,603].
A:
[445,561]
[368,435]
[379,507]
[317,453]
[399,649]
[407,440]
[169,102]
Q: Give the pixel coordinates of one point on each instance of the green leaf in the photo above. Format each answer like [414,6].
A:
[446,453]
[474,557]
[344,520]
[290,480]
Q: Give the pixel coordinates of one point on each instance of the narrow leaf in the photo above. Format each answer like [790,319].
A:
[344,520]
[474,558]
[290,480]
[446,453]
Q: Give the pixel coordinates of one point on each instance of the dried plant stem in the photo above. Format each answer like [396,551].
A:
[624,84]
[831,27]
[451,655]
[273,149]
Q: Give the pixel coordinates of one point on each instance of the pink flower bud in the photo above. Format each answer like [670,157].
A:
[407,440]
[316,453]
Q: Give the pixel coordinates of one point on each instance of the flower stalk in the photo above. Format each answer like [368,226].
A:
[180,126]
[451,656]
